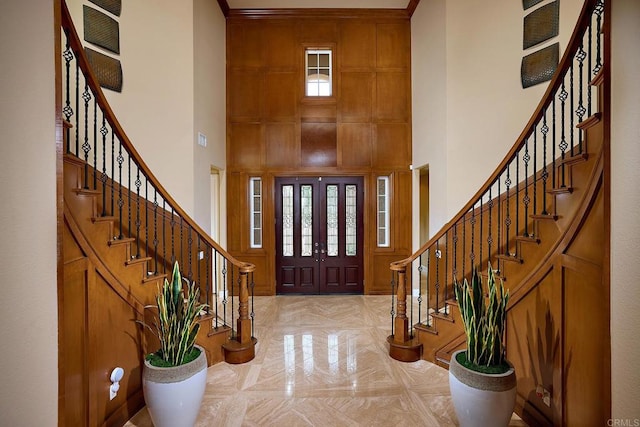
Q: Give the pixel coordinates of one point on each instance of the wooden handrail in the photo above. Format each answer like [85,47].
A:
[92,81]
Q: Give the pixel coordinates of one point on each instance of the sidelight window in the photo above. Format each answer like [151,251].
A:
[255,190]
[383,211]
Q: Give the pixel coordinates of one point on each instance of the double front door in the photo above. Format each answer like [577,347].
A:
[319,235]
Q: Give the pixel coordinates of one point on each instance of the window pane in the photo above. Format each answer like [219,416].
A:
[383,211]
[255,214]
[306,212]
[287,220]
[332,220]
[351,225]
[318,72]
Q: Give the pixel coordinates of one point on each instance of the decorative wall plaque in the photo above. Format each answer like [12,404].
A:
[113,6]
[541,24]
[526,4]
[539,66]
[101,30]
[108,70]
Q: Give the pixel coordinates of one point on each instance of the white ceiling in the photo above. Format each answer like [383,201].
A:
[324,4]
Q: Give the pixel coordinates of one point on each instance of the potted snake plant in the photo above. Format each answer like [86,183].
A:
[482,381]
[174,377]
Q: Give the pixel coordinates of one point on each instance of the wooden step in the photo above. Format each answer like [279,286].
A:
[547,217]
[572,160]
[135,260]
[122,241]
[510,258]
[560,190]
[590,121]
[153,277]
[443,316]
[528,239]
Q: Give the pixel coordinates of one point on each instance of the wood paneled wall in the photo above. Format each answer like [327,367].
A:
[364,129]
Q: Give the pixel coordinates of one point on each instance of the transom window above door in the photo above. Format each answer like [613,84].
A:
[318,75]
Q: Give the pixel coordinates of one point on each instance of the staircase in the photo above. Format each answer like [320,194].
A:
[122,234]
[540,220]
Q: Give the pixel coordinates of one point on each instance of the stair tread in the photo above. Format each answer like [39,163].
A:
[590,121]
[560,190]
[103,218]
[511,258]
[87,191]
[571,160]
[152,277]
[528,239]
[426,328]
[445,317]
[138,260]
[121,241]
[544,217]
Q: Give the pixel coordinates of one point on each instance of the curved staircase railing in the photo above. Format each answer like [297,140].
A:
[508,210]
[141,213]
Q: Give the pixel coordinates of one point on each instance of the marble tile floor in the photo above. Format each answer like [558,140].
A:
[323,361]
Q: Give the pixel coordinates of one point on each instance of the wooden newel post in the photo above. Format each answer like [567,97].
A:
[244,322]
[401,322]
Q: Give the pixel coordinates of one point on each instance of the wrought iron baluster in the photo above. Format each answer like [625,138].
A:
[138,185]
[525,158]
[581,110]
[599,9]
[535,169]
[103,177]
[455,250]
[499,219]
[472,222]
[517,231]
[120,199]
[207,260]
[507,218]
[173,236]
[113,172]
[67,110]
[164,235]
[563,140]
[252,315]
[155,230]
[464,244]
[216,290]
[95,143]
[446,271]
[572,103]
[489,229]
[77,153]
[181,242]
[545,174]
[589,77]
[437,260]
[224,290]
[233,294]
[554,182]
[129,193]
[146,216]
[420,269]
[86,147]
[429,319]
[481,221]
[190,251]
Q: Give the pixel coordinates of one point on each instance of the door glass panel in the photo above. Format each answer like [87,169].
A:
[306,213]
[351,226]
[287,220]
[332,220]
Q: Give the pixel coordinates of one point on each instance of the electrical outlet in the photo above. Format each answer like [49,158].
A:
[202,139]
[544,394]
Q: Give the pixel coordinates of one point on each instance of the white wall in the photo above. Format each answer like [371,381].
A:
[209,105]
[468,112]
[156,106]
[429,110]
[625,203]
[28,319]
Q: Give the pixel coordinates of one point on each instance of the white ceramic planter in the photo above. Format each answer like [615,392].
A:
[481,399]
[173,395]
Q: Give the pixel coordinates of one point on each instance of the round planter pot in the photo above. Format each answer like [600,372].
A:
[481,399]
[173,395]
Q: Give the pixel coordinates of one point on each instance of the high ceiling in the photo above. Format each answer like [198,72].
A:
[329,4]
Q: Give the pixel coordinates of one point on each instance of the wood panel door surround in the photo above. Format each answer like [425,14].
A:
[319,235]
